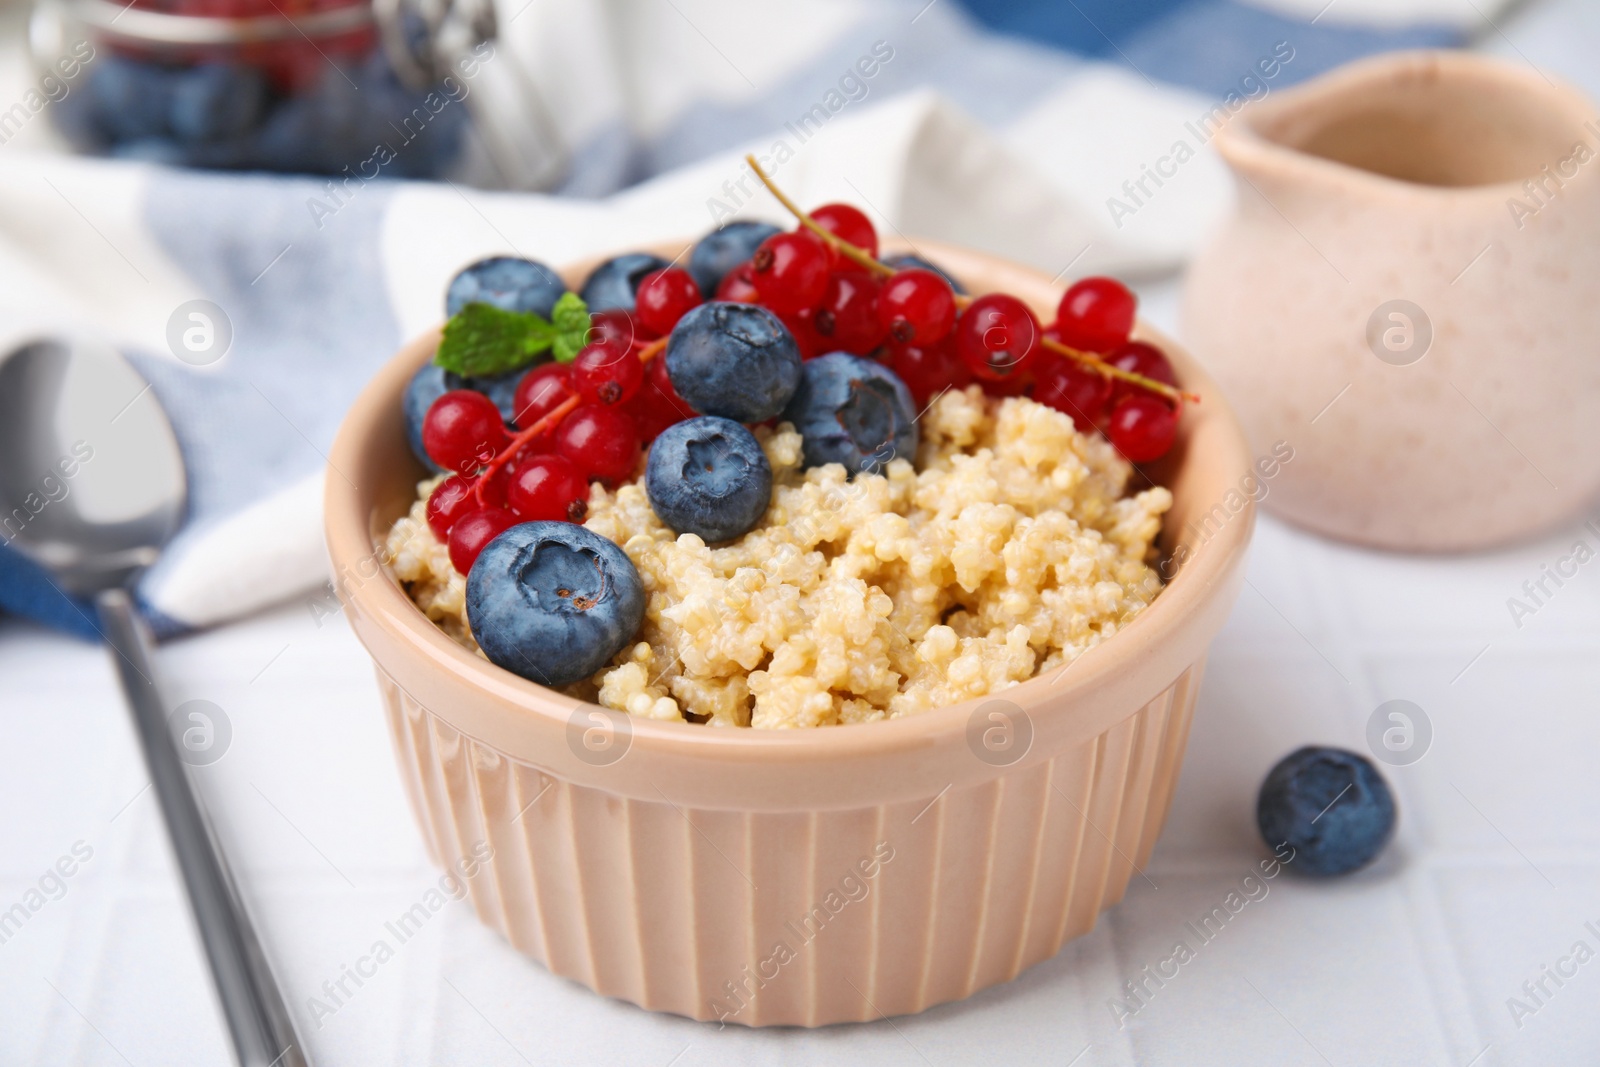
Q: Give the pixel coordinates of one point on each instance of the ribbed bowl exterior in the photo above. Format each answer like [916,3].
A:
[798,877]
[727,915]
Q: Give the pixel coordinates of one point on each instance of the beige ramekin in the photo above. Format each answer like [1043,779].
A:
[796,877]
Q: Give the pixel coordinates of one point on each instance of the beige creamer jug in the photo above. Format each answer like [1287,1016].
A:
[1409,294]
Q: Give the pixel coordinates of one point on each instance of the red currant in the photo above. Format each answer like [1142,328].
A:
[1018,384]
[548,488]
[664,297]
[663,383]
[738,285]
[803,328]
[463,430]
[536,447]
[996,337]
[601,442]
[847,317]
[492,486]
[917,307]
[929,371]
[1096,314]
[790,271]
[1141,358]
[657,405]
[472,531]
[1073,389]
[449,500]
[601,376]
[542,390]
[649,412]
[848,224]
[1142,427]
[612,329]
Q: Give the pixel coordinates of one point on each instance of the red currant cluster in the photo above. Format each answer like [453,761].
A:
[575,423]
[585,421]
[825,281]
[1095,315]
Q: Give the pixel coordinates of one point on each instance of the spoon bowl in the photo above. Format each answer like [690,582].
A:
[92,482]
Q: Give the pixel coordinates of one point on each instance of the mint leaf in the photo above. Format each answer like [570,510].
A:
[570,318]
[481,339]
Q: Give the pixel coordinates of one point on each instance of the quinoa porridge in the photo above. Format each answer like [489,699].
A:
[1009,548]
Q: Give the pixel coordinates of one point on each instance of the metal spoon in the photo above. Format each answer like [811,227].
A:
[91,487]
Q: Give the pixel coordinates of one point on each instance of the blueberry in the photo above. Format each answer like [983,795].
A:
[613,283]
[150,150]
[733,360]
[131,99]
[75,119]
[501,388]
[507,282]
[290,135]
[426,386]
[906,261]
[1331,806]
[215,101]
[553,601]
[424,127]
[708,476]
[342,122]
[432,381]
[853,411]
[723,249]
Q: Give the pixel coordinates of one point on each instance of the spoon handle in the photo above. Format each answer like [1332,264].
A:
[258,1019]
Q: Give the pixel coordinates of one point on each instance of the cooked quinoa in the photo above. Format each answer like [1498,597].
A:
[1009,549]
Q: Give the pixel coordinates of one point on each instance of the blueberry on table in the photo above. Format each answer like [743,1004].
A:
[613,283]
[906,261]
[1330,805]
[723,249]
[709,477]
[733,360]
[853,411]
[553,602]
[509,283]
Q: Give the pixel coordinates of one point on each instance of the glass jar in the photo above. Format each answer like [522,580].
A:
[398,88]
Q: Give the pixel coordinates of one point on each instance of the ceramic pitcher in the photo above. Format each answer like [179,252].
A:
[1408,294]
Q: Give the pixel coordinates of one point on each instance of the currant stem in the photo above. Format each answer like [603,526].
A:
[860,257]
[548,422]
[653,349]
[853,253]
[1089,359]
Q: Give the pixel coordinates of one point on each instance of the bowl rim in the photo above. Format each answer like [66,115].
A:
[1207,575]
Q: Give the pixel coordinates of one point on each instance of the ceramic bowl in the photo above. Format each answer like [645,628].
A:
[797,877]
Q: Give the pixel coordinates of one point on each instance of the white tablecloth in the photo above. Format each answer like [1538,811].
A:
[1490,884]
